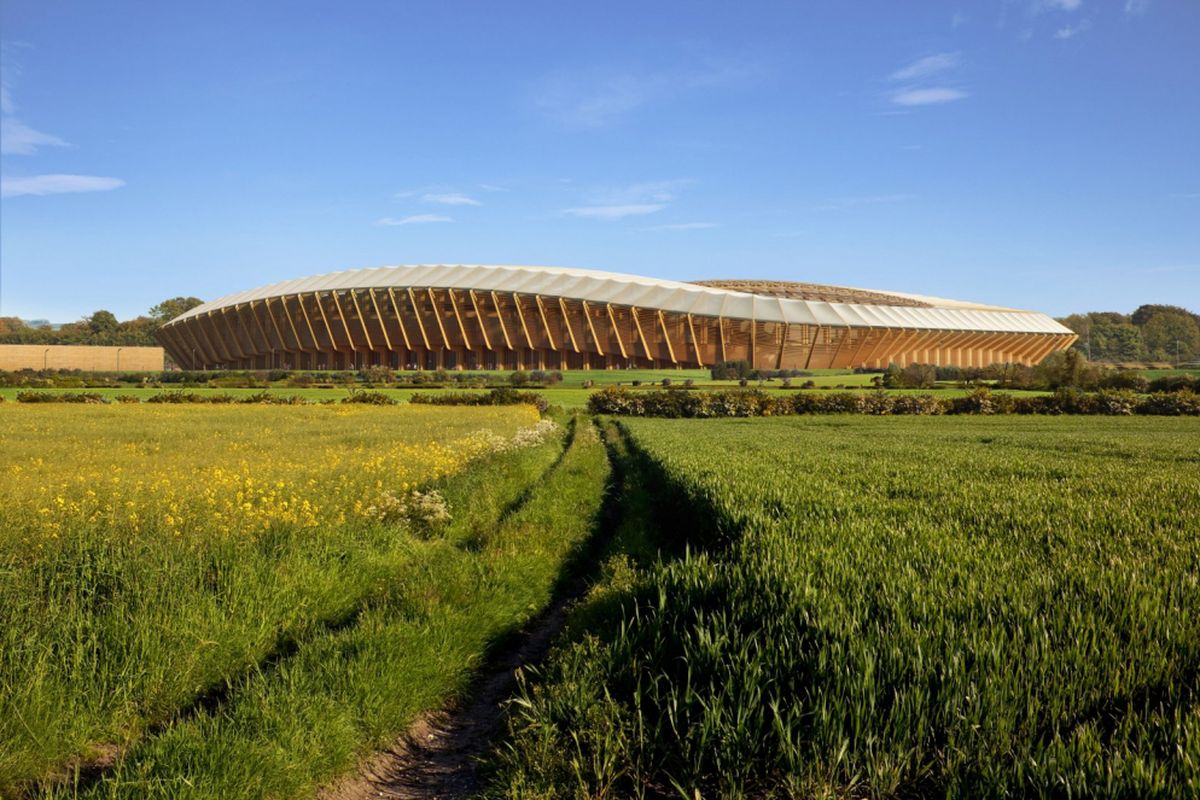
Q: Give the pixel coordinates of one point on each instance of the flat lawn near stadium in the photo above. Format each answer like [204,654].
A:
[234,601]
[883,607]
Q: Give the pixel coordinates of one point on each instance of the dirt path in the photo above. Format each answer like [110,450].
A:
[438,757]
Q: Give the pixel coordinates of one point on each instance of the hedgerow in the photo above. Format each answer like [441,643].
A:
[675,403]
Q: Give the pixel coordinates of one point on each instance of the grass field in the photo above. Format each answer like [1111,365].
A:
[242,601]
[188,590]
[850,607]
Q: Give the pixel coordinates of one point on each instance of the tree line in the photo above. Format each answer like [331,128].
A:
[99,328]
[1151,333]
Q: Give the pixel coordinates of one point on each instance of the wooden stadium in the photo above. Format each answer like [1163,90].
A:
[519,317]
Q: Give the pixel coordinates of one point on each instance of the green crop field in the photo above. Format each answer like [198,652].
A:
[850,607]
[244,601]
[239,601]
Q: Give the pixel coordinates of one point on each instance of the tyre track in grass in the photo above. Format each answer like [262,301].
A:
[438,757]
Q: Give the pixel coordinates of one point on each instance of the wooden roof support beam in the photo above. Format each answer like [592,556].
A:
[562,306]
[221,353]
[362,320]
[812,347]
[587,315]
[258,324]
[412,298]
[841,343]
[233,338]
[179,346]
[500,316]
[662,322]
[325,318]
[399,318]
[387,340]
[462,328]
[637,323]
[612,320]
[337,303]
[521,316]
[866,337]
[311,332]
[787,329]
[275,326]
[721,331]
[537,298]
[887,332]
[487,342]
[190,327]
[287,314]
[437,317]
[695,341]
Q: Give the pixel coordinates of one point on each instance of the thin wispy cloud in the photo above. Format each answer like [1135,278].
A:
[16,137]
[840,203]
[1040,6]
[599,98]
[491,187]
[928,97]
[415,219]
[57,184]
[1071,31]
[1134,7]
[917,72]
[646,197]
[685,226]
[924,67]
[449,199]
[614,212]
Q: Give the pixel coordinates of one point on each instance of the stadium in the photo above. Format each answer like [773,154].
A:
[519,317]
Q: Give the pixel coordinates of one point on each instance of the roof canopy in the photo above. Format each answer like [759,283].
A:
[595,286]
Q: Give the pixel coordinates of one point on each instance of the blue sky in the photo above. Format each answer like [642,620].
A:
[1036,153]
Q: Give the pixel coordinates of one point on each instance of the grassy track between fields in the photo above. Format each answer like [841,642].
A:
[883,608]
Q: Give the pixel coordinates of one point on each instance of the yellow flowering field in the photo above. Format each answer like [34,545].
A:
[148,554]
[229,470]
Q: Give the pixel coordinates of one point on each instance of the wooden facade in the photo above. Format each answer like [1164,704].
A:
[432,327]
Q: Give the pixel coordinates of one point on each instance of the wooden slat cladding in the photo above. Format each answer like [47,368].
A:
[431,327]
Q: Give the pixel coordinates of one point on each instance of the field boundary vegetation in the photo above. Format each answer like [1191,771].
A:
[676,403]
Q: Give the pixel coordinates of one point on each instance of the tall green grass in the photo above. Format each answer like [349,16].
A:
[110,634]
[886,608]
[286,729]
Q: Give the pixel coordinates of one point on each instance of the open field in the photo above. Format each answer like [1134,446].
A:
[244,601]
[837,607]
[197,598]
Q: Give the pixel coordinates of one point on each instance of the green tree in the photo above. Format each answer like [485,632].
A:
[168,310]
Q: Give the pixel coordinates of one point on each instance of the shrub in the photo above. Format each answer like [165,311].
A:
[1114,402]
[369,398]
[63,397]
[666,381]
[917,405]
[1171,404]
[500,396]
[977,402]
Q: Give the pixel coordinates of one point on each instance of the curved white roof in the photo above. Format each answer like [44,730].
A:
[633,290]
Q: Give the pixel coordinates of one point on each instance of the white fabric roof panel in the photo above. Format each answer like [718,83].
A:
[676,296]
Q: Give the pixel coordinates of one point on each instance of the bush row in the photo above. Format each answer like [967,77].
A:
[755,403]
[495,397]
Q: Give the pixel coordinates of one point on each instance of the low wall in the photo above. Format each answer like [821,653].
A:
[83,357]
